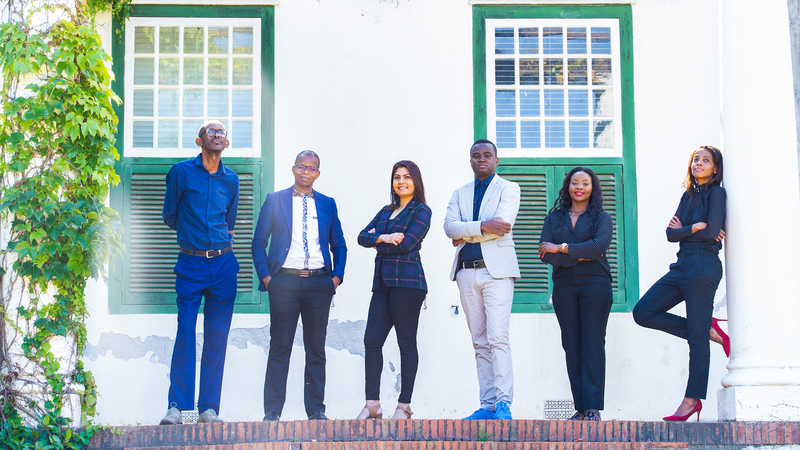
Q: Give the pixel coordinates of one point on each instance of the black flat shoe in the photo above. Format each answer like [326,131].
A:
[579,415]
[319,415]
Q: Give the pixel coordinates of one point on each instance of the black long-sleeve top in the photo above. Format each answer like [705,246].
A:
[704,205]
[582,243]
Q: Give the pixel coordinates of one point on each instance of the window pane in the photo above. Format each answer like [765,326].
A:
[553,71]
[552,40]
[193,40]
[143,40]
[506,134]
[579,105]
[554,134]
[217,39]
[168,71]
[168,39]
[143,134]
[529,71]
[243,71]
[504,41]
[217,71]
[603,134]
[531,134]
[144,70]
[193,71]
[217,102]
[601,71]
[553,102]
[579,134]
[602,102]
[242,134]
[167,133]
[577,72]
[193,103]
[167,102]
[242,103]
[528,41]
[190,130]
[143,102]
[504,71]
[505,103]
[601,41]
[242,39]
[529,103]
[576,40]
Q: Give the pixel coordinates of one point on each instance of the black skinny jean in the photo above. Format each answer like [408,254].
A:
[694,279]
[582,305]
[396,307]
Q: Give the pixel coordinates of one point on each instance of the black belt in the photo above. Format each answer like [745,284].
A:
[207,253]
[477,264]
[305,273]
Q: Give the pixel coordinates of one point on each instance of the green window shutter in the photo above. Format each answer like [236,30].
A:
[147,279]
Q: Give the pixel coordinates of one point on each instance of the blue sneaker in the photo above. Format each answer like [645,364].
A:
[501,411]
[480,414]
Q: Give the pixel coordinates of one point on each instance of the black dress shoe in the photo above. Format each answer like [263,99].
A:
[319,415]
[271,417]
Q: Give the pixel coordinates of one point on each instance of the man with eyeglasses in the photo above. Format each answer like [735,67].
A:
[301,278]
[200,204]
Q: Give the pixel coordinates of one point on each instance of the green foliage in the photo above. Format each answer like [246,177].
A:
[57,156]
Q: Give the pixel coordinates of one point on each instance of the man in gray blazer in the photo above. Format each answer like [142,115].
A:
[479,219]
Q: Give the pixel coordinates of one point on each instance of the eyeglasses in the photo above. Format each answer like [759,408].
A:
[213,133]
[303,168]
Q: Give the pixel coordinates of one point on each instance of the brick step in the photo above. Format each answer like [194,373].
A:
[429,445]
[447,430]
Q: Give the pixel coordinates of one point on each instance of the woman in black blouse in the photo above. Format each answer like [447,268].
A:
[575,237]
[698,227]
[398,286]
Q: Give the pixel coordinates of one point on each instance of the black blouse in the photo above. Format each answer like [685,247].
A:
[707,205]
[582,243]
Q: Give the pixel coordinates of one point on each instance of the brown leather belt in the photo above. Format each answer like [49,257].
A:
[305,273]
[477,264]
[207,253]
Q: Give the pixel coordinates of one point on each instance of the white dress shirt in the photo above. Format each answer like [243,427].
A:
[296,257]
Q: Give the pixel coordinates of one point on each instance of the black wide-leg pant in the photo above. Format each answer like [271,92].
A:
[582,311]
[693,279]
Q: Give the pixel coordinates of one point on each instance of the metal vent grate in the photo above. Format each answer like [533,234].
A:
[558,409]
[190,416]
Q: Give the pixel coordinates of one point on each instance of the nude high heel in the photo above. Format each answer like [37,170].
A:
[406,410]
[375,411]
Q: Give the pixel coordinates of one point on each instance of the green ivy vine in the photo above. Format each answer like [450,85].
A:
[57,156]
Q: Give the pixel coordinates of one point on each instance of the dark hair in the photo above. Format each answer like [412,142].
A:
[484,141]
[716,178]
[416,175]
[564,201]
[307,153]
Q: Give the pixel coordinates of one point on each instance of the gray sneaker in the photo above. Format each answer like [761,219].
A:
[173,417]
[208,415]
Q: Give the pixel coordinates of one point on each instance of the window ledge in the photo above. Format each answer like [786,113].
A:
[209,2]
[551,2]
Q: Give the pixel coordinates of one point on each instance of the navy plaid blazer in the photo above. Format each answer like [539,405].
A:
[399,265]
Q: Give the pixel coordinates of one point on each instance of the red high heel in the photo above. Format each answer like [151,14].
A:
[697,407]
[726,341]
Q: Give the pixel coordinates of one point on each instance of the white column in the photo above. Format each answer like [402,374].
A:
[762,254]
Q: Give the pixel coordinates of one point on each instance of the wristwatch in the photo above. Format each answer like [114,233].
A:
[564,247]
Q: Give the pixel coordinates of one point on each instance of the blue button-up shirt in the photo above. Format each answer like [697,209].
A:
[472,252]
[200,206]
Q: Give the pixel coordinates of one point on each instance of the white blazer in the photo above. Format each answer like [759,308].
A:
[500,200]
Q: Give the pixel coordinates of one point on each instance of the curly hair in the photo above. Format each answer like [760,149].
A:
[564,202]
[716,178]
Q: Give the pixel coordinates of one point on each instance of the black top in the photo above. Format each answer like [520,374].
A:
[585,240]
[704,205]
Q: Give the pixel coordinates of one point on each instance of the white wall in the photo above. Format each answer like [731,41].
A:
[366,83]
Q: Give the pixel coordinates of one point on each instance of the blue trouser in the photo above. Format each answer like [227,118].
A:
[694,279]
[214,279]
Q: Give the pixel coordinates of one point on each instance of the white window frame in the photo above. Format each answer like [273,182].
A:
[157,22]
[491,87]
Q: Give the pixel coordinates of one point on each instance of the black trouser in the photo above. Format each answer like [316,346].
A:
[291,296]
[582,306]
[694,279]
[398,307]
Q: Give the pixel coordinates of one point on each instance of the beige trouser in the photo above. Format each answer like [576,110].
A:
[487,305]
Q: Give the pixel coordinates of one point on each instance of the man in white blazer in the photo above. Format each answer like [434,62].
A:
[479,219]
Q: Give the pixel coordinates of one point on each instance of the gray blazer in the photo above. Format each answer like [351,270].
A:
[501,200]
